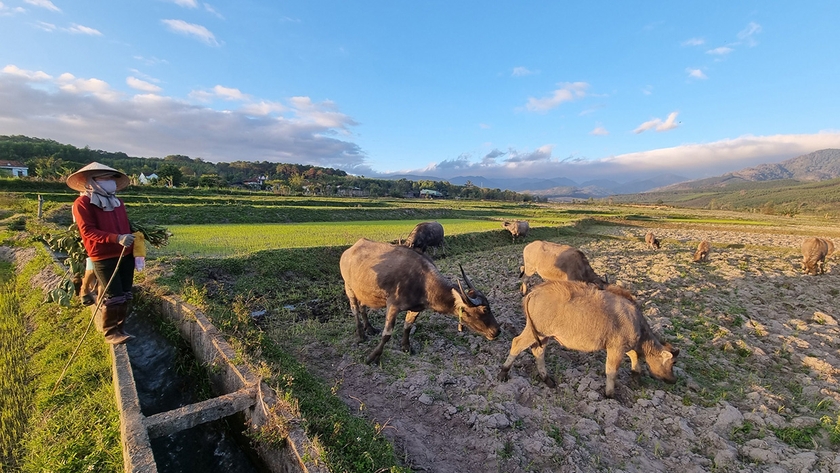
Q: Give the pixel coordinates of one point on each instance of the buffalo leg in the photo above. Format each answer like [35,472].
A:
[613,362]
[409,322]
[390,318]
[368,328]
[539,354]
[359,312]
[634,363]
[519,344]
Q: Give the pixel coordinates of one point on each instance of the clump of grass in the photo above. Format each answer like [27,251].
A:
[15,398]
[76,428]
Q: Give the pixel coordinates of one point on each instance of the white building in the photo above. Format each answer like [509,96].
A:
[144,179]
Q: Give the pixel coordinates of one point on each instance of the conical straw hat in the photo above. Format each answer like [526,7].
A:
[78,179]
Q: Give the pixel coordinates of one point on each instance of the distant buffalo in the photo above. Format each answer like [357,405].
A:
[814,251]
[702,253]
[581,317]
[425,235]
[652,241]
[517,228]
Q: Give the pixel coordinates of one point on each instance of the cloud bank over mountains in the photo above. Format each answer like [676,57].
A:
[225,124]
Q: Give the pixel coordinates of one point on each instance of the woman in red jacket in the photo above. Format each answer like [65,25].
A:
[106,235]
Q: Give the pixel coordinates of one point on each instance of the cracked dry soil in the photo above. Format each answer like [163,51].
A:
[760,351]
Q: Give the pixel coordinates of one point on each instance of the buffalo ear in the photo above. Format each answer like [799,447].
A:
[675,352]
[666,355]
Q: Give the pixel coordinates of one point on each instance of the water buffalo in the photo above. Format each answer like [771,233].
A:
[702,253]
[424,235]
[652,241]
[400,279]
[581,317]
[517,228]
[556,262]
[814,251]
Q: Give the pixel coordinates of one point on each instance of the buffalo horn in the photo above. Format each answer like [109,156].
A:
[474,301]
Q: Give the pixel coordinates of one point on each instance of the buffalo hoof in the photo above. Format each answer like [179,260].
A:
[371,330]
[373,359]
[549,381]
[503,375]
[407,349]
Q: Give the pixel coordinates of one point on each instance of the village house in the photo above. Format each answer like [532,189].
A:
[15,168]
[145,180]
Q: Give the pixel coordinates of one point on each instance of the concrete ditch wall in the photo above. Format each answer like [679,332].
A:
[239,392]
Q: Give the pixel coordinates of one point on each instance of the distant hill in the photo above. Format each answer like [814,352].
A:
[817,166]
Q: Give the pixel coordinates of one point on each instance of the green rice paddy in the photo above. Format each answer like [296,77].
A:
[240,239]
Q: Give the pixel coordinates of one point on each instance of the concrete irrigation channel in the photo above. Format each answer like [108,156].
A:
[163,429]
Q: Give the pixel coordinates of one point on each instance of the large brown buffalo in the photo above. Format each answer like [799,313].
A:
[556,262]
[814,251]
[400,279]
[581,317]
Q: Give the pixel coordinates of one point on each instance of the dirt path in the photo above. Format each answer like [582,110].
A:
[759,360]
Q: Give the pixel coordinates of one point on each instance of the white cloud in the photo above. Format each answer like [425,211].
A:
[658,124]
[46,26]
[43,4]
[84,30]
[263,108]
[31,75]
[212,10]
[694,42]
[647,90]
[566,93]
[747,35]
[191,29]
[142,85]
[599,131]
[228,93]
[721,51]
[72,110]
[7,11]
[696,73]
[691,160]
[186,3]
[521,72]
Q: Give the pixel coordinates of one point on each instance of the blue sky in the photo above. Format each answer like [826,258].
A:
[617,90]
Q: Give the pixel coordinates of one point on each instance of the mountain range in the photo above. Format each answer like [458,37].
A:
[817,166]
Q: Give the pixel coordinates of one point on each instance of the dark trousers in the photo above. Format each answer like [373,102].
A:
[123,279]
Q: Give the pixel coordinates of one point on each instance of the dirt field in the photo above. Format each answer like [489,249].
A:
[760,352]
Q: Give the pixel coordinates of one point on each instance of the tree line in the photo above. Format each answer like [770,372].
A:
[49,160]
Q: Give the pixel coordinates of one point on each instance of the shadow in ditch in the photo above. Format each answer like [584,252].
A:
[162,386]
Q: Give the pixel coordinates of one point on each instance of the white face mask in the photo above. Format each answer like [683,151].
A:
[109,186]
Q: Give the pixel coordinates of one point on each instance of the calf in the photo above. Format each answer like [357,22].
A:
[814,251]
[652,241]
[517,228]
[702,253]
[581,317]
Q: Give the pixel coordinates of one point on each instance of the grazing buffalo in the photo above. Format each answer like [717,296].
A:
[652,241]
[517,228]
[814,251]
[424,235]
[581,317]
[702,253]
[400,279]
[556,262]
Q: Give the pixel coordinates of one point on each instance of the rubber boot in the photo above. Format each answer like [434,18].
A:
[125,309]
[111,316]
